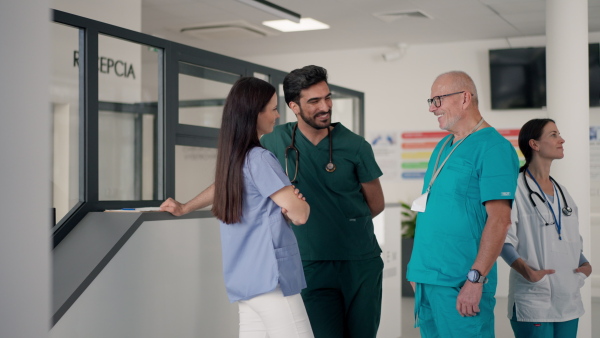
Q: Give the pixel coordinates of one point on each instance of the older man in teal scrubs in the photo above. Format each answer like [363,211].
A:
[464,216]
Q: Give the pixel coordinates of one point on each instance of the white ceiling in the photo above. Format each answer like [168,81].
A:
[354,23]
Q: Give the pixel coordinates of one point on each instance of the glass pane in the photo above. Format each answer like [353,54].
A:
[64,91]
[128,92]
[345,110]
[202,94]
[262,76]
[194,170]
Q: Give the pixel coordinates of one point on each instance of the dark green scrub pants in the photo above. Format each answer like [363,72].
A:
[343,298]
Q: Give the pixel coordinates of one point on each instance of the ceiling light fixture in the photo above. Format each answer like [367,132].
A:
[306,24]
[273,9]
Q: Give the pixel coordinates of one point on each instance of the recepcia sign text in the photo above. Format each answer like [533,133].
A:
[109,66]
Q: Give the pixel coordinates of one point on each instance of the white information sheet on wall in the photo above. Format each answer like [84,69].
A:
[387,153]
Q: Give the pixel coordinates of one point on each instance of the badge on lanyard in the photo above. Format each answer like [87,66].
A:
[420,203]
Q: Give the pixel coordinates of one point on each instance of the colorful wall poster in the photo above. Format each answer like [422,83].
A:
[417,146]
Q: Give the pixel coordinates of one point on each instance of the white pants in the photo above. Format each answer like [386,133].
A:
[271,315]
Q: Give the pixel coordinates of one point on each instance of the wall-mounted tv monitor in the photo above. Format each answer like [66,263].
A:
[518,77]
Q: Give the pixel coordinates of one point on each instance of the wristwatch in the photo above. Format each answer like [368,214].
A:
[474,276]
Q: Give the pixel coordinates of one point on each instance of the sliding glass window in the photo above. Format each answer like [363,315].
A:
[202,94]
[128,92]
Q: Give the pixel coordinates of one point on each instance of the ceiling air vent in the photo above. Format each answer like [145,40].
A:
[397,15]
[225,30]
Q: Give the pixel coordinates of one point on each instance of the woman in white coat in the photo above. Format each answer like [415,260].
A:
[543,245]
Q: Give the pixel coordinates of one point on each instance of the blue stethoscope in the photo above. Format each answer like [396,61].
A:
[566,210]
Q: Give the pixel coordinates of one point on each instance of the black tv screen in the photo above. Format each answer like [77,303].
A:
[594,56]
[518,77]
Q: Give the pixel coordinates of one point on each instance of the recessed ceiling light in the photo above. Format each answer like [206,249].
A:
[306,24]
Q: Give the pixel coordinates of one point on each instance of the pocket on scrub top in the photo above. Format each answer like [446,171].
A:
[533,294]
[459,179]
[287,251]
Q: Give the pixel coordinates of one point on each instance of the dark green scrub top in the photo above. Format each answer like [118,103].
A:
[340,225]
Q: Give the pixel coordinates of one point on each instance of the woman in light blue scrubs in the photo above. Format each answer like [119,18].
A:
[543,245]
[256,204]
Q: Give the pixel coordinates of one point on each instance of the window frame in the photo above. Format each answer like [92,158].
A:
[168,131]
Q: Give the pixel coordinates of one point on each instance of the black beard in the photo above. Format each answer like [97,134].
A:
[312,122]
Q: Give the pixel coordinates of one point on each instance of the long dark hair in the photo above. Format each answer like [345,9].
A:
[531,130]
[246,99]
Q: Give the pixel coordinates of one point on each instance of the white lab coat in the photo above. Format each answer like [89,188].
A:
[556,297]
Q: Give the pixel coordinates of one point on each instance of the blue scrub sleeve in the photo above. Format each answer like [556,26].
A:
[266,172]
[509,254]
[582,259]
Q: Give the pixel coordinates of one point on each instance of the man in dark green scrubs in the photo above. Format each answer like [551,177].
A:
[336,171]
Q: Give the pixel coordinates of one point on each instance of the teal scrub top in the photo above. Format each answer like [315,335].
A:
[484,167]
[340,225]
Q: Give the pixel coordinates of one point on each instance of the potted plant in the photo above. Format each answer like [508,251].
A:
[408,224]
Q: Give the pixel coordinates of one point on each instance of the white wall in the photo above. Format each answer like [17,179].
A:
[388,236]
[25,168]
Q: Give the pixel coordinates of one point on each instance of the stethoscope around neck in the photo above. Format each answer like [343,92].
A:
[566,210]
[329,167]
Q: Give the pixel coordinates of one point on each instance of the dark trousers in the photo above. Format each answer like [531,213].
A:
[343,298]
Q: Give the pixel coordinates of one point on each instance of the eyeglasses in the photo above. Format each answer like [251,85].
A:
[437,100]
